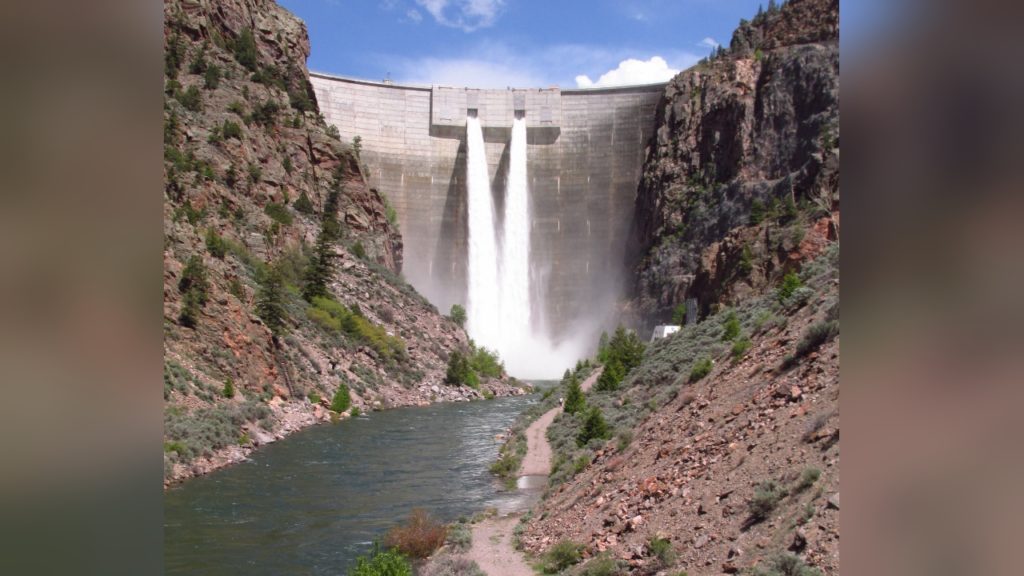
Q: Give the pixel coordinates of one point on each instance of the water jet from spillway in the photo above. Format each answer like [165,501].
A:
[515,260]
[483,296]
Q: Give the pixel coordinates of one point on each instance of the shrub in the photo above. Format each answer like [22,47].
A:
[603,565]
[740,347]
[231,130]
[255,173]
[679,314]
[390,563]
[594,426]
[790,282]
[766,497]
[561,556]
[358,250]
[815,336]
[701,368]
[342,399]
[418,537]
[333,316]
[460,537]
[193,278]
[229,388]
[731,326]
[265,114]
[661,549]
[449,565]
[807,479]
[314,397]
[191,99]
[211,78]
[458,315]
[215,244]
[278,213]
[244,48]
[460,372]
[785,564]
[486,363]
[190,309]
[333,132]
[574,401]
[236,107]
[303,204]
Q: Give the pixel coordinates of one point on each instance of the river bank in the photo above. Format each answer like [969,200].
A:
[291,416]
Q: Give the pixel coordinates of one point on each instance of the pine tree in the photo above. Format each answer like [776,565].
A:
[574,400]
[320,269]
[612,376]
[270,301]
[594,426]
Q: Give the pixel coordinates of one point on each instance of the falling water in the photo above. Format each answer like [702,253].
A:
[484,297]
[515,269]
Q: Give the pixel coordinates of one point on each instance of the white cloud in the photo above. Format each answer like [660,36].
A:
[708,42]
[469,72]
[467,15]
[631,71]
[414,15]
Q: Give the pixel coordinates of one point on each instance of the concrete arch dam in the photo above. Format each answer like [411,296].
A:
[585,151]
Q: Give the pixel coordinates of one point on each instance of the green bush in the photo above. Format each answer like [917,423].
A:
[265,114]
[661,549]
[244,48]
[458,315]
[807,479]
[561,556]
[314,397]
[191,99]
[460,372]
[278,213]
[342,399]
[602,565]
[611,377]
[215,244]
[486,363]
[303,204]
[816,336]
[460,537]
[358,250]
[211,77]
[390,563]
[236,107]
[766,497]
[229,388]
[679,314]
[739,348]
[731,326]
[790,283]
[231,130]
[594,426]
[701,368]
[333,316]
[574,401]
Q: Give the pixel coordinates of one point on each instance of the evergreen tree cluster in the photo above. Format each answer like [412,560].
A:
[620,355]
[195,287]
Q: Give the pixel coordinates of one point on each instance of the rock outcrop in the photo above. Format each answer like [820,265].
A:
[249,166]
[741,181]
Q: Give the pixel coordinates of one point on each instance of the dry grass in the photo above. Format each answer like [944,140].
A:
[418,537]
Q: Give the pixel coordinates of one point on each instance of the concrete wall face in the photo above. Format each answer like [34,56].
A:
[584,161]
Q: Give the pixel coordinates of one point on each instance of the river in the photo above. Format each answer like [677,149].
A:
[313,502]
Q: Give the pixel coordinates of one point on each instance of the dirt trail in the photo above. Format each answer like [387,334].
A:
[537,461]
[492,547]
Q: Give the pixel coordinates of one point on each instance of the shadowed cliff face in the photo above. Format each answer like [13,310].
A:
[249,166]
[741,181]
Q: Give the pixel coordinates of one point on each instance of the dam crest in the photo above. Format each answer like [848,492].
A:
[584,155]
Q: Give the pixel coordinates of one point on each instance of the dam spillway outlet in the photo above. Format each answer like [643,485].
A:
[582,159]
[483,290]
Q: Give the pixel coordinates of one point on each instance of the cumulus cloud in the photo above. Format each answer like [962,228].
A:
[467,15]
[631,71]
[709,42]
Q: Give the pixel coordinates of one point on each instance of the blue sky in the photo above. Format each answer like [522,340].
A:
[517,43]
